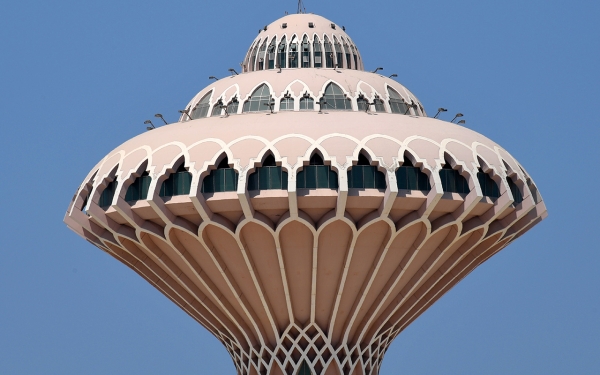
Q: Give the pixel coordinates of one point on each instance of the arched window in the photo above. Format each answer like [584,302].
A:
[293,55]
[365,176]
[409,177]
[138,190]
[363,104]
[335,98]
[232,107]
[107,195]
[379,104]
[268,177]
[253,57]
[397,103]
[261,56]
[328,53]
[316,175]
[305,63]
[489,187]
[514,189]
[178,183]
[259,100]
[286,104]
[282,53]
[221,179]
[307,103]
[318,53]
[453,181]
[217,108]
[201,108]
[415,107]
[339,53]
[271,54]
[355,56]
[348,54]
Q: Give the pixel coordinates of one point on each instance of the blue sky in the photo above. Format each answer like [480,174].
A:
[77,78]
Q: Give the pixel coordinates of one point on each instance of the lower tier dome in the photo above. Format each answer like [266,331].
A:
[306,241]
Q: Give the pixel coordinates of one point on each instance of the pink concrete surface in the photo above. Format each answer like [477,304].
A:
[318,276]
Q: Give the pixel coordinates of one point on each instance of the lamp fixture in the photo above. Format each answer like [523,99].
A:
[321,103]
[439,111]
[152,127]
[161,117]
[271,105]
[457,116]
[233,71]
[394,75]
[186,112]
[378,69]
[461,122]
[213,77]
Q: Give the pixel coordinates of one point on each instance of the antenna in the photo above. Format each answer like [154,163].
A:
[301,8]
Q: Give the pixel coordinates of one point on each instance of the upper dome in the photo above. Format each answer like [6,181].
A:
[302,41]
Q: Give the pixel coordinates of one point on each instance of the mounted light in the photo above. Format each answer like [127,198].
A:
[186,112]
[161,117]
[457,116]
[439,111]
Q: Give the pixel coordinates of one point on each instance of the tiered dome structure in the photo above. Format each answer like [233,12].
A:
[305,212]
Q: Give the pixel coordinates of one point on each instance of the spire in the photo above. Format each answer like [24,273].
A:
[301,8]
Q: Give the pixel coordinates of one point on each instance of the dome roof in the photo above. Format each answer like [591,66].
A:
[306,211]
[304,41]
[357,87]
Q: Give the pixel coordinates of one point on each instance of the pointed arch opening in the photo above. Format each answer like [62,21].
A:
[261,56]
[489,187]
[271,53]
[339,53]
[232,106]
[516,192]
[379,104]
[106,198]
[335,99]
[217,108]
[281,53]
[253,57]
[328,52]
[286,104]
[293,54]
[365,176]
[269,176]
[305,51]
[362,103]
[318,51]
[354,54]
[178,183]
[348,54]
[409,177]
[201,108]
[317,175]
[138,190]
[307,103]
[222,179]
[397,104]
[259,101]
[452,180]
